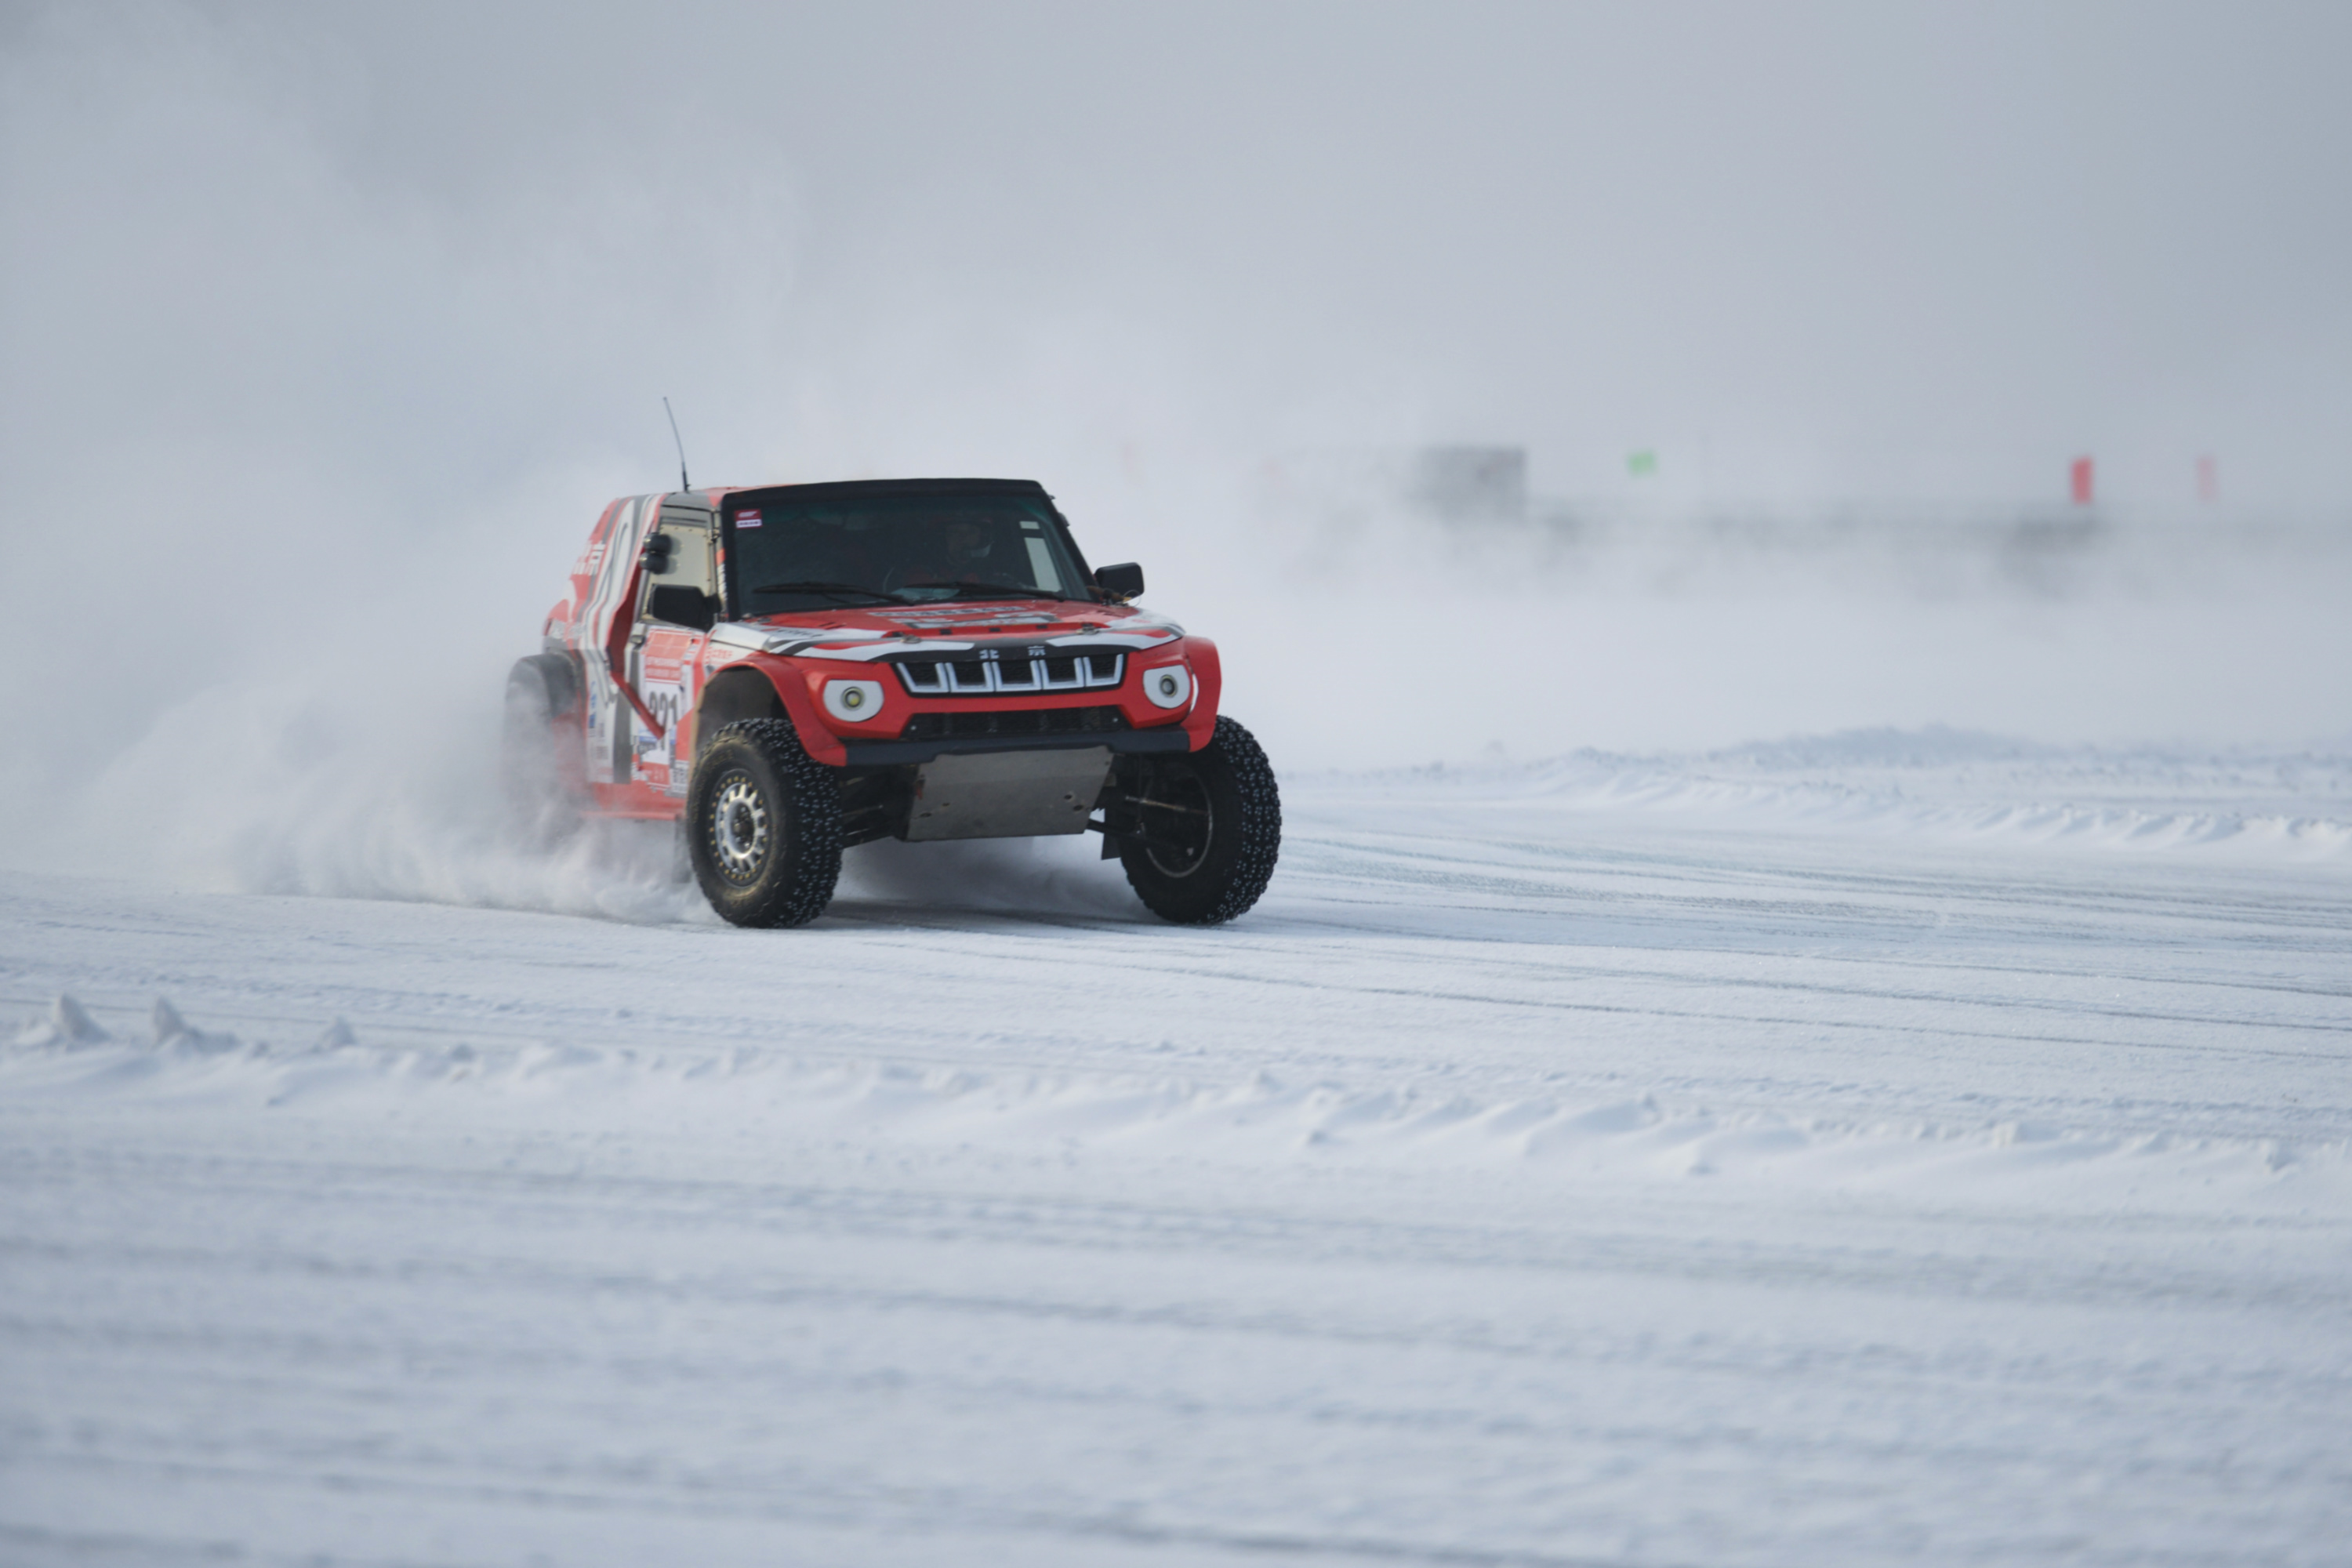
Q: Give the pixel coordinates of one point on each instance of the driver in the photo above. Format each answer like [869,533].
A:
[968,548]
[963,551]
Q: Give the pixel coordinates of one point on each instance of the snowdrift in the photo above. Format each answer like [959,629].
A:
[750,1095]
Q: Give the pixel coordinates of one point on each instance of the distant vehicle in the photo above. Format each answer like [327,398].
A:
[793,669]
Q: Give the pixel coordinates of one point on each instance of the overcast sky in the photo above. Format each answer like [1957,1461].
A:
[1854,249]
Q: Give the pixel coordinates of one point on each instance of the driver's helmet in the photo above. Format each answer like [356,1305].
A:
[967,542]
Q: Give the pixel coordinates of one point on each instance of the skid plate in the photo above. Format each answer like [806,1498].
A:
[1006,795]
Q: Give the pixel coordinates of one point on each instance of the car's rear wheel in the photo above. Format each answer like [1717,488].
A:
[541,793]
[1202,829]
[763,826]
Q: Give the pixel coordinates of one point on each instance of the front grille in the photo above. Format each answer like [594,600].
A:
[1012,722]
[1002,677]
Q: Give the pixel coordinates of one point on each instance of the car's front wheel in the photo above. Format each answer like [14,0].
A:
[763,826]
[1202,829]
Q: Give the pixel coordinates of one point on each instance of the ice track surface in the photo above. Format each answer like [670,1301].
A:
[1892,1148]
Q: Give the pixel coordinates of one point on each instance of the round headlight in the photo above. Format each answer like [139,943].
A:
[854,701]
[1170,685]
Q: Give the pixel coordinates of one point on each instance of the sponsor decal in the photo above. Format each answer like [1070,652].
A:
[667,679]
[747,520]
[666,653]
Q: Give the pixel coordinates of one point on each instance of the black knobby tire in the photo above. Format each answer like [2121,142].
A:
[542,796]
[763,826]
[1214,864]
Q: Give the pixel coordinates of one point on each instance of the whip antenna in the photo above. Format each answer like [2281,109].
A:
[681,446]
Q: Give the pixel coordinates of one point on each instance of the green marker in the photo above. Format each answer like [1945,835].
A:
[1641,465]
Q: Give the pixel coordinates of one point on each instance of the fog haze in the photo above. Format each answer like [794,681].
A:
[333,330]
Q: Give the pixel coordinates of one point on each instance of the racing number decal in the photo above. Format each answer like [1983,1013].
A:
[669,662]
[665,701]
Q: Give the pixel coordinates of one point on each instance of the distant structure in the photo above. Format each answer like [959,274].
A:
[2208,480]
[1469,484]
[1455,486]
[2082,482]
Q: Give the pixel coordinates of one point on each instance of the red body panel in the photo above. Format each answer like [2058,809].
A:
[1208,686]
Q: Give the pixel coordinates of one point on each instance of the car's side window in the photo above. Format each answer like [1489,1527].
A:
[685,590]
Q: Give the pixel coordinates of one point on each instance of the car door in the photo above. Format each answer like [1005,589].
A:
[676,610]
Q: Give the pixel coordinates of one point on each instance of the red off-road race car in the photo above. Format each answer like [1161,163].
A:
[795,669]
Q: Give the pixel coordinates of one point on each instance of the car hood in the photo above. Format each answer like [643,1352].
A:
[865,632]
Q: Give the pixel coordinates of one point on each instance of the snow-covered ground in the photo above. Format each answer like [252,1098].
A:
[1894,1146]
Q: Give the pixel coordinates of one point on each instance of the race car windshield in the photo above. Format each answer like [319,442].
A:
[901,549]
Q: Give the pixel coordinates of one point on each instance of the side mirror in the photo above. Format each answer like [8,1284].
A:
[681,604]
[1120,583]
[657,548]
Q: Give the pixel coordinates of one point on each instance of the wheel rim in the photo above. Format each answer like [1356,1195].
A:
[1183,824]
[740,835]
